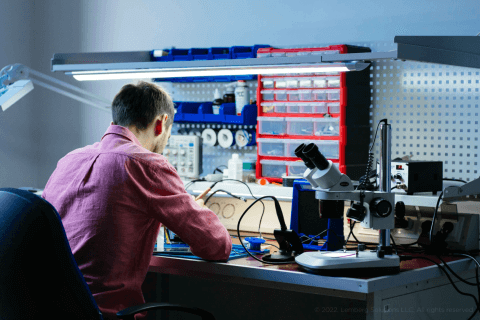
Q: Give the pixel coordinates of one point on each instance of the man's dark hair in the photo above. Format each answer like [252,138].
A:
[138,104]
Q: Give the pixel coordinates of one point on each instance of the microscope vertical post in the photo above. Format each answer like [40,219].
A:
[385,173]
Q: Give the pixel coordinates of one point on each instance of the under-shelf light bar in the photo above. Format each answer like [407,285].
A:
[217,71]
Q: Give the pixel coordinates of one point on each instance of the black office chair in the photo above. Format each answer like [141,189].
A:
[38,273]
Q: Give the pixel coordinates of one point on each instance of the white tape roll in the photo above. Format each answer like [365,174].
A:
[209,137]
[225,138]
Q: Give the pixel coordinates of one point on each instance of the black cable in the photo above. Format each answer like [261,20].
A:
[192,182]
[240,238]
[456,275]
[434,217]
[227,192]
[453,284]
[458,180]
[216,169]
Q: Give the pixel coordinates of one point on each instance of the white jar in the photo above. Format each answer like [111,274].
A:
[235,167]
[242,96]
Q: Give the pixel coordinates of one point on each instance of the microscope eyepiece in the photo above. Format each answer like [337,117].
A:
[311,151]
[299,153]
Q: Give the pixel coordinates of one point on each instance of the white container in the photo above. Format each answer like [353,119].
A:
[281,95]
[271,147]
[267,82]
[292,82]
[280,83]
[235,167]
[305,82]
[333,94]
[272,125]
[242,96]
[334,107]
[319,95]
[267,95]
[320,107]
[300,126]
[333,82]
[326,127]
[295,168]
[319,83]
[273,169]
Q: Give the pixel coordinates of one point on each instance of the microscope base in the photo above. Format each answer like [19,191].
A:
[340,263]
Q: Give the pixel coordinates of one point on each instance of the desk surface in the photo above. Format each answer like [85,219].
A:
[290,277]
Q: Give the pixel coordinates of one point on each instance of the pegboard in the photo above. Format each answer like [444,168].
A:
[433,110]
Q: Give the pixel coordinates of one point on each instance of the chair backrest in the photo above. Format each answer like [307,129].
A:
[38,273]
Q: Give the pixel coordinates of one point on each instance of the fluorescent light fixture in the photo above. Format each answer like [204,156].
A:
[216,71]
[14,92]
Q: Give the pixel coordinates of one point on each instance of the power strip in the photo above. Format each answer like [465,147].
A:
[185,154]
[229,210]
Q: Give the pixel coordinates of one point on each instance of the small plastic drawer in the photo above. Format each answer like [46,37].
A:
[267,82]
[293,95]
[299,126]
[320,107]
[273,169]
[319,95]
[281,95]
[319,83]
[263,55]
[270,125]
[280,108]
[333,82]
[305,83]
[333,94]
[268,107]
[306,108]
[267,95]
[326,127]
[280,83]
[329,149]
[295,168]
[291,83]
[293,108]
[334,107]
[271,147]
[278,54]
[305,95]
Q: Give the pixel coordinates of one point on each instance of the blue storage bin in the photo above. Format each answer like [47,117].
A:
[199,53]
[219,53]
[181,54]
[195,112]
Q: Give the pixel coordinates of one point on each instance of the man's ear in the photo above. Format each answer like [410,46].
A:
[158,127]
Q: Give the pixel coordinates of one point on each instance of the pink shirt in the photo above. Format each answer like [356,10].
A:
[112,197]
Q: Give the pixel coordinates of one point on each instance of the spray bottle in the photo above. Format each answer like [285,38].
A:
[217,102]
[242,96]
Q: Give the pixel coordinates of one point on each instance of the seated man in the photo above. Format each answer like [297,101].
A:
[113,196]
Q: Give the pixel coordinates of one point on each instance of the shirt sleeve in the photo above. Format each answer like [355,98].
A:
[170,204]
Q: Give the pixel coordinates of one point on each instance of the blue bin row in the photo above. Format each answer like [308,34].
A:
[202,112]
[219,53]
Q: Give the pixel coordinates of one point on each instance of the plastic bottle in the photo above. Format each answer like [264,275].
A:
[161,239]
[242,96]
[229,97]
[217,102]
[235,167]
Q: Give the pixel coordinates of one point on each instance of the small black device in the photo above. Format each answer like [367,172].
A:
[417,176]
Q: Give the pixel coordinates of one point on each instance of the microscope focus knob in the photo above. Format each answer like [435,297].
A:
[381,207]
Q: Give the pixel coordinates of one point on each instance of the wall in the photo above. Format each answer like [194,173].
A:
[44,126]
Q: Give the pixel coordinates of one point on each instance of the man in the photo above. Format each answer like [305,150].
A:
[113,195]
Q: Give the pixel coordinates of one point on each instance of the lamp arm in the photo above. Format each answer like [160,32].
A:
[12,73]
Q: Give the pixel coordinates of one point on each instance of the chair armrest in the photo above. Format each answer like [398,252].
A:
[129,313]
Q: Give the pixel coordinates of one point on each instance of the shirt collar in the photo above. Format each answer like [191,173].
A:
[122,131]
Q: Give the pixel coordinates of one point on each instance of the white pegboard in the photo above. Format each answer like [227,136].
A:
[433,109]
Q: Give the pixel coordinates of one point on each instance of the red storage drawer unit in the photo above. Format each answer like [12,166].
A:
[329,109]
